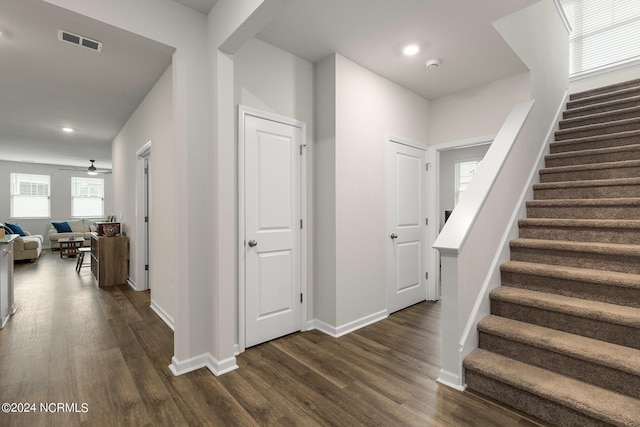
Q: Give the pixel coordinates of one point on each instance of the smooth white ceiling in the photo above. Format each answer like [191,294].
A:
[46,84]
[372,33]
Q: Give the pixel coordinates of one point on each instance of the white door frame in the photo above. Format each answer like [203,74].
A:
[243,113]
[433,208]
[143,193]
[430,253]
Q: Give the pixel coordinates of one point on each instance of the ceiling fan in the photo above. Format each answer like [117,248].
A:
[91,170]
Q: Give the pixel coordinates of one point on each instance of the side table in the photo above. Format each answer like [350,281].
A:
[69,246]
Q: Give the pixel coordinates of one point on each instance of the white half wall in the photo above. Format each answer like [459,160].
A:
[152,121]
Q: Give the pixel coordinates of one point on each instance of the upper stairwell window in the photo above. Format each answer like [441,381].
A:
[605,34]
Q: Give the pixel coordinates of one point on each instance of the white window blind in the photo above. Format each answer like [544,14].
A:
[464,172]
[87,197]
[605,33]
[30,195]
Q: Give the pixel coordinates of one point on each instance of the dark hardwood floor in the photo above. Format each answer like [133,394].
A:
[105,351]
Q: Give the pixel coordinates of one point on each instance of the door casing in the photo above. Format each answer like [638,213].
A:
[243,113]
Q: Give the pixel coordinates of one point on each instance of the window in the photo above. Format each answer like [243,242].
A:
[464,173]
[604,33]
[87,197]
[30,195]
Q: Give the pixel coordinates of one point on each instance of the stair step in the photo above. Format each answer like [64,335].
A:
[625,125]
[610,366]
[609,287]
[622,208]
[588,189]
[600,117]
[599,141]
[597,256]
[550,396]
[601,107]
[606,93]
[608,170]
[593,319]
[582,230]
[597,155]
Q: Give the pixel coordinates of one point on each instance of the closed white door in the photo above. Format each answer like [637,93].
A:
[272,229]
[406,226]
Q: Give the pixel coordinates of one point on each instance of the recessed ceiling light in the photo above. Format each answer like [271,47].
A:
[411,49]
[67,129]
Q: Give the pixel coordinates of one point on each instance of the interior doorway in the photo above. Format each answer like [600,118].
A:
[143,217]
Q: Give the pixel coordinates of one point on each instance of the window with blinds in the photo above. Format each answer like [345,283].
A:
[30,195]
[87,197]
[605,33]
[464,172]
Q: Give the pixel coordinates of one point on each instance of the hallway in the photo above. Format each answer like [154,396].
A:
[73,343]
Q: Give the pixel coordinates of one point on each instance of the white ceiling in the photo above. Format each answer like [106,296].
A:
[46,84]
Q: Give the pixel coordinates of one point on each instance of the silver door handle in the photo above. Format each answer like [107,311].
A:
[394,236]
[252,243]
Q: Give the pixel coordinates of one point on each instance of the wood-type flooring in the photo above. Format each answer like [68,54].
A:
[99,357]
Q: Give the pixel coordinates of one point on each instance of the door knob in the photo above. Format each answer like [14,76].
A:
[394,236]
[252,243]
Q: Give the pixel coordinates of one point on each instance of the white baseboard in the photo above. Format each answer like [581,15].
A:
[162,314]
[351,326]
[205,360]
[451,380]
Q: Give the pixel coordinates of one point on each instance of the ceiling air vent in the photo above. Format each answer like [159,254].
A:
[68,37]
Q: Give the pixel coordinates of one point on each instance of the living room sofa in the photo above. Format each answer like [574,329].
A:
[80,227]
[27,246]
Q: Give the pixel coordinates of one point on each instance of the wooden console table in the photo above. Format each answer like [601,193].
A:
[109,259]
[69,246]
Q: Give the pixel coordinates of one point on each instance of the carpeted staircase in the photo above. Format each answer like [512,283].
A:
[563,340]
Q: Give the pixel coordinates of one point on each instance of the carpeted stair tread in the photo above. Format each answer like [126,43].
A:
[587,183]
[610,407]
[591,167]
[601,107]
[630,202]
[626,88]
[601,117]
[583,156]
[603,353]
[576,307]
[585,247]
[624,125]
[582,223]
[595,141]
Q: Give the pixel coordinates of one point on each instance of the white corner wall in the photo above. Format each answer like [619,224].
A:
[152,121]
[367,109]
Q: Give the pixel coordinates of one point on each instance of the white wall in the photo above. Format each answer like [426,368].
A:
[269,79]
[479,111]
[367,109]
[618,75]
[60,195]
[152,121]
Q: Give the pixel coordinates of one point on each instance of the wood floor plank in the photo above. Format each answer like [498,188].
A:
[72,342]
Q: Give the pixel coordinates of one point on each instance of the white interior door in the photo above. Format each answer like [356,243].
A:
[406,226]
[272,229]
